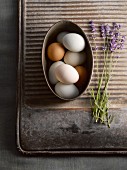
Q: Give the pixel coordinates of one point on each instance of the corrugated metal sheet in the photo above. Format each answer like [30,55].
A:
[40,15]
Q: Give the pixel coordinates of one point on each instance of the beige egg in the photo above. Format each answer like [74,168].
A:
[66,74]
[75,59]
[52,76]
[66,91]
[55,51]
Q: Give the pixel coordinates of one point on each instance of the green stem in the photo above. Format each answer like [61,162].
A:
[101,80]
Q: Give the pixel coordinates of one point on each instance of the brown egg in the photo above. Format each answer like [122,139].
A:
[82,76]
[56,51]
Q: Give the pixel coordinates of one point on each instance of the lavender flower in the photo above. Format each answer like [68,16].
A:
[122,42]
[121,46]
[117,34]
[93,29]
[112,47]
[95,48]
[123,39]
[104,48]
[113,44]
[111,33]
[103,34]
[115,40]
[116,26]
[117,56]
[107,30]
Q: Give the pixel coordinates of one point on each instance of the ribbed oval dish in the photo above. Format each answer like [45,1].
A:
[50,37]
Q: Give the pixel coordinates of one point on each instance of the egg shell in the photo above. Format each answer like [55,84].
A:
[66,74]
[74,42]
[60,36]
[55,51]
[83,76]
[74,58]
[52,76]
[66,91]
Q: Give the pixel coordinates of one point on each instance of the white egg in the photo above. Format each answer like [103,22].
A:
[66,74]
[60,37]
[74,59]
[67,91]
[52,76]
[74,42]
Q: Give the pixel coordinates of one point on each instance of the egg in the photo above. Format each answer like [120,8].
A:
[55,51]
[52,76]
[74,58]
[67,91]
[60,36]
[83,75]
[66,74]
[74,42]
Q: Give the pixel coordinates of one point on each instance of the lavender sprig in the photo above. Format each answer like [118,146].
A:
[113,42]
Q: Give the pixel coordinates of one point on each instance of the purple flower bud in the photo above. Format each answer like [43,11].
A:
[95,48]
[111,33]
[119,26]
[117,56]
[103,31]
[102,28]
[118,46]
[113,41]
[116,26]
[107,29]
[114,45]
[112,49]
[91,22]
[93,29]
[104,48]
[117,34]
[121,46]
[123,39]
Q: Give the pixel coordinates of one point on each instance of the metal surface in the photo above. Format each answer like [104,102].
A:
[45,123]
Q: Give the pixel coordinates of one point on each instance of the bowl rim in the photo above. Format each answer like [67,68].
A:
[43,58]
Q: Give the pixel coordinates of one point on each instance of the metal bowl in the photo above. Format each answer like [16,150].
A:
[51,37]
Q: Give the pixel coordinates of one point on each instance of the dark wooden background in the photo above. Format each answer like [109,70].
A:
[10,159]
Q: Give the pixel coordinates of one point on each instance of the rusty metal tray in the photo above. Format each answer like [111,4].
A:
[47,125]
